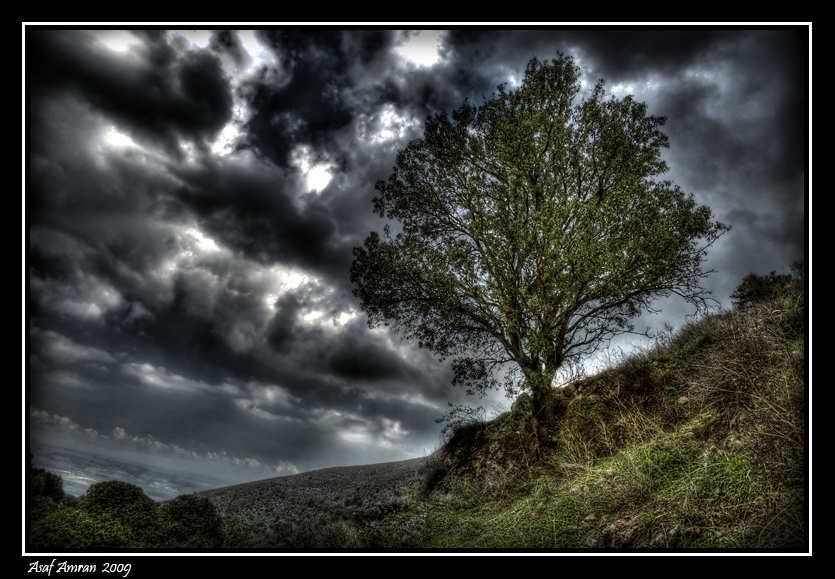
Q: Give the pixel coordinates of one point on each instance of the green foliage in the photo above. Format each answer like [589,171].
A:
[40,507]
[532,230]
[68,528]
[118,514]
[71,501]
[193,522]
[44,483]
[235,535]
[757,288]
[130,507]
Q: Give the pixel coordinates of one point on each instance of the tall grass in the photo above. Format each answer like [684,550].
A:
[698,441]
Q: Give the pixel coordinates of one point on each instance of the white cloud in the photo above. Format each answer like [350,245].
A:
[116,40]
[250,43]
[317,173]
[199,38]
[262,400]
[162,379]
[86,297]
[69,379]
[392,429]
[59,348]
[125,440]
[421,47]
[270,394]
[385,125]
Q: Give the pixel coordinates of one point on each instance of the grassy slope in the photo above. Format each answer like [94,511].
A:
[698,443]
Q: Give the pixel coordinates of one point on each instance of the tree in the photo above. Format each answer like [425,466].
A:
[193,523]
[531,232]
[756,288]
[44,483]
[129,509]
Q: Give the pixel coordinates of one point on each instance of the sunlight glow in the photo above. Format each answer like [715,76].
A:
[253,47]
[314,315]
[318,174]
[116,40]
[344,318]
[204,243]
[116,139]
[421,48]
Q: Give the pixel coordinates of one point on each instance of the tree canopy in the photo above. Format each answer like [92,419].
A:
[532,230]
[756,288]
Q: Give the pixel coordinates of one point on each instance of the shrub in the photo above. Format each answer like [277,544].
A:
[68,528]
[235,535]
[45,484]
[70,501]
[756,288]
[126,504]
[193,522]
[40,507]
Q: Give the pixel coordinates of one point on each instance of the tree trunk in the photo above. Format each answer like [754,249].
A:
[543,410]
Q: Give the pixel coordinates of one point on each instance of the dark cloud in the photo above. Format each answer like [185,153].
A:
[282,327]
[306,106]
[253,211]
[189,283]
[367,361]
[157,96]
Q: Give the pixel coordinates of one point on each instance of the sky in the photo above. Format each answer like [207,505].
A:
[193,198]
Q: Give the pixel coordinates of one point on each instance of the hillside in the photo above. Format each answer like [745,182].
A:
[697,443]
[288,511]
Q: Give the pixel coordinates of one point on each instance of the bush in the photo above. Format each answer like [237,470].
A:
[68,528]
[40,507]
[45,484]
[193,523]
[235,535]
[757,288]
[119,514]
[127,505]
[70,501]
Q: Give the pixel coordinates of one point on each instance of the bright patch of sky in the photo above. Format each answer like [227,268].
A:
[199,38]
[318,174]
[388,123]
[116,40]
[621,90]
[284,279]
[113,141]
[421,47]
[250,43]
[258,55]
[114,138]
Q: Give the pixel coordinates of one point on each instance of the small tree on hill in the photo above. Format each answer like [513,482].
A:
[45,483]
[756,288]
[532,232]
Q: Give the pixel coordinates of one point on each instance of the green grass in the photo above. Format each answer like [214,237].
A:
[637,467]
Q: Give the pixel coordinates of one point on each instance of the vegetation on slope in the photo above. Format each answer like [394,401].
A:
[698,442]
[116,514]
